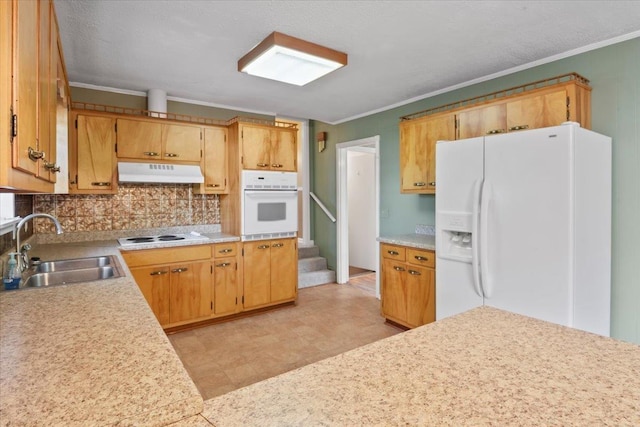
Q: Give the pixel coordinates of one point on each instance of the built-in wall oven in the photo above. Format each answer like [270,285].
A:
[269,205]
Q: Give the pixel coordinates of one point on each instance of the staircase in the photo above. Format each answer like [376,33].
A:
[312,268]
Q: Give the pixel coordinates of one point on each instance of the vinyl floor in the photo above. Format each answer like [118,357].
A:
[327,320]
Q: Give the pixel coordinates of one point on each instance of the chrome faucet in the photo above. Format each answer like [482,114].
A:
[23,258]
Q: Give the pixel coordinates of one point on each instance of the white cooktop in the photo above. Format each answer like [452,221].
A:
[138,241]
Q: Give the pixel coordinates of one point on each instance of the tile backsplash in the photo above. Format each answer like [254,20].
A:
[135,206]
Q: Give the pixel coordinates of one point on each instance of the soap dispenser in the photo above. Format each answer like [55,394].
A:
[11,279]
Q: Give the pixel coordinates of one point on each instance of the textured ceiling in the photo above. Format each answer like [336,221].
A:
[398,50]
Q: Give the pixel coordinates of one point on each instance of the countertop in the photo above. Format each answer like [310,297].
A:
[482,367]
[414,240]
[89,353]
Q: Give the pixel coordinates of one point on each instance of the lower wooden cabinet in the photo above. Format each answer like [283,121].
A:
[227,292]
[408,285]
[270,269]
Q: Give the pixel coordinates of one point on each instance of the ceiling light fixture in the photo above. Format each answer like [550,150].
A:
[290,60]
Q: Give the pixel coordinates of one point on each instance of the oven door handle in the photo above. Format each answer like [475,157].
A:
[272,194]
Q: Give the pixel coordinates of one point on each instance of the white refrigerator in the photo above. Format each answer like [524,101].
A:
[523,224]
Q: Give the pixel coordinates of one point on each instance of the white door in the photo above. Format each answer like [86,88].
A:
[459,173]
[528,198]
[361,169]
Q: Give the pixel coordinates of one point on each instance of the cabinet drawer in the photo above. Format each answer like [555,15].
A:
[225,250]
[392,252]
[421,257]
[166,255]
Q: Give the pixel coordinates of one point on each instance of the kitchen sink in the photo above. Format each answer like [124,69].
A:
[77,270]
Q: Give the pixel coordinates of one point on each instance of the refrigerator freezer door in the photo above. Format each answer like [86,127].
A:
[529,223]
[459,170]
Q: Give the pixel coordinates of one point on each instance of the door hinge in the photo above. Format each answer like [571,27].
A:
[116,147]
[243,299]
[242,251]
[568,108]
[200,153]
[211,305]
[14,125]
[236,300]
[76,123]
[115,126]
[211,267]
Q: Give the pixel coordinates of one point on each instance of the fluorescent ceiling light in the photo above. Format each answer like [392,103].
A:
[290,60]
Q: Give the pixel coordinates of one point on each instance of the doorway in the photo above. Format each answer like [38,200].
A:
[364,154]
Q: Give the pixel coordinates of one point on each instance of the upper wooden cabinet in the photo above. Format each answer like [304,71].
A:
[539,104]
[29,64]
[268,147]
[152,140]
[92,162]
[417,151]
[214,162]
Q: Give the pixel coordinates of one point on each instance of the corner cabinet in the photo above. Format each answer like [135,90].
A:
[535,105]
[29,65]
[408,285]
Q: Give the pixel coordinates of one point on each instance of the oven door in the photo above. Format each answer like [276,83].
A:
[270,212]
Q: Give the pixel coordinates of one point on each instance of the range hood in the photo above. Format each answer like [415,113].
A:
[159,173]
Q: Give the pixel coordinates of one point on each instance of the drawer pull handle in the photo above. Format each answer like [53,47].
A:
[225,251]
[171,155]
[521,127]
[396,268]
[35,155]
[179,270]
[393,253]
[224,264]
[276,165]
[213,185]
[101,184]
[262,165]
[150,153]
[52,167]
[432,184]
[419,184]
[277,245]
[157,273]
[263,247]
[414,273]
[421,258]
[495,131]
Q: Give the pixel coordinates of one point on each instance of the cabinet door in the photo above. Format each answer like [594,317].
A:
[215,160]
[139,139]
[421,303]
[225,286]
[418,151]
[181,143]
[256,147]
[190,291]
[284,270]
[482,121]
[96,166]
[257,273]
[154,285]
[394,290]
[538,111]
[25,80]
[283,150]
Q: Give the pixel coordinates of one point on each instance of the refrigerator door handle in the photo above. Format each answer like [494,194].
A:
[475,236]
[485,204]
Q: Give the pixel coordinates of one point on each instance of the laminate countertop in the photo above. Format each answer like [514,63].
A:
[89,353]
[414,240]
[482,367]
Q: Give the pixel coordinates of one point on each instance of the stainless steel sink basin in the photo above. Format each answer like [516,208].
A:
[73,264]
[61,272]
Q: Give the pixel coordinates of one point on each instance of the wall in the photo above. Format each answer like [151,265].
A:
[23,207]
[614,74]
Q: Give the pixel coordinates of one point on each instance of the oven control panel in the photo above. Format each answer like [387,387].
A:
[269,180]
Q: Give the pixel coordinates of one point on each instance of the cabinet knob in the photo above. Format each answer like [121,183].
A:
[171,155]
[224,264]
[393,252]
[432,184]
[263,247]
[396,268]
[35,155]
[225,251]
[277,245]
[262,165]
[419,184]
[520,127]
[157,273]
[52,167]
[179,270]
[276,165]
[495,131]
[150,153]
[101,184]
[421,258]
[213,185]
[414,273]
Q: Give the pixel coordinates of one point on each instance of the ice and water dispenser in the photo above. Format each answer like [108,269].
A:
[455,239]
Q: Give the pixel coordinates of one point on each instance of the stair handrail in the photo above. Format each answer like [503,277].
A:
[322,206]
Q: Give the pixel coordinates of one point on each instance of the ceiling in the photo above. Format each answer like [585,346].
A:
[398,50]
